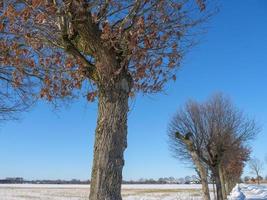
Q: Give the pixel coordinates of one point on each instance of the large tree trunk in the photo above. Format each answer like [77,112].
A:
[203,175]
[199,165]
[110,142]
[215,172]
[227,182]
[222,182]
[204,182]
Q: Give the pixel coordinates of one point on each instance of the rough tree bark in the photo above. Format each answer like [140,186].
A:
[204,181]
[226,183]
[197,161]
[222,182]
[215,172]
[110,141]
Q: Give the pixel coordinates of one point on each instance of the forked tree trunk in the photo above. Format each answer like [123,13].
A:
[215,172]
[110,142]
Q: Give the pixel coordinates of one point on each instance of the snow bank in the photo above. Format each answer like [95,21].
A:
[248,192]
[255,192]
[237,194]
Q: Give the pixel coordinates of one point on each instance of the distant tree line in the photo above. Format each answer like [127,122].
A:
[19,180]
[248,179]
[165,180]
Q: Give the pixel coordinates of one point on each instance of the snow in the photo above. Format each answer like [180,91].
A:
[249,192]
[236,194]
[81,192]
[129,192]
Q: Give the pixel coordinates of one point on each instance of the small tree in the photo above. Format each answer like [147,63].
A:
[186,143]
[256,167]
[109,49]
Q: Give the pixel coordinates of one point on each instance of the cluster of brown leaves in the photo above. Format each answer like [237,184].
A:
[235,163]
[17,89]
[147,38]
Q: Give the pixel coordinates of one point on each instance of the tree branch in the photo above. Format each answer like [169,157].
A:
[71,49]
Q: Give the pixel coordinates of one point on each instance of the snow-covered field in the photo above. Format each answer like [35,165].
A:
[129,192]
[81,192]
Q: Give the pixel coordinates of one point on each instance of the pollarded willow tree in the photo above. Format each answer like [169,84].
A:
[186,141]
[212,135]
[110,49]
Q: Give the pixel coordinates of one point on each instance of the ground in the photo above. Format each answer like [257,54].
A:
[81,192]
[129,192]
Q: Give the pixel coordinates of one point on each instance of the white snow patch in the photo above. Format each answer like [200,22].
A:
[236,194]
[249,192]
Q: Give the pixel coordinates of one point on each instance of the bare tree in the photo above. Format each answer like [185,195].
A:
[186,142]
[109,49]
[228,130]
[207,133]
[256,167]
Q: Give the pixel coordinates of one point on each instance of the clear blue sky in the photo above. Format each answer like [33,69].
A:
[231,58]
